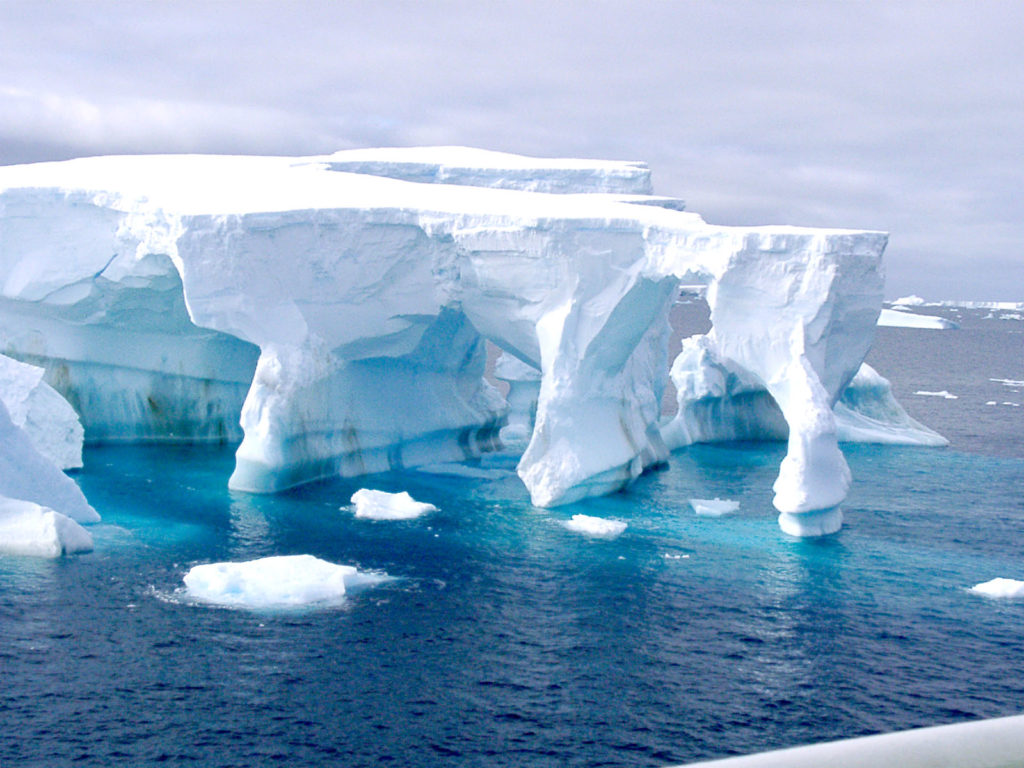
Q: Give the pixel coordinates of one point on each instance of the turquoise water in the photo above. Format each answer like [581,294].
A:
[508,640]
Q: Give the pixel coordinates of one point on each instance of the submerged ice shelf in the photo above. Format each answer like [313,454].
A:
[337,308]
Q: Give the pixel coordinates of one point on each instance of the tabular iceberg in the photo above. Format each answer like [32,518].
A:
[346,300]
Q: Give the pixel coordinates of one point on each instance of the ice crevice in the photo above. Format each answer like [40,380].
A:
[332,312]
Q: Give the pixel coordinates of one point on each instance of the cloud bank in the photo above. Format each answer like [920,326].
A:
[903,117]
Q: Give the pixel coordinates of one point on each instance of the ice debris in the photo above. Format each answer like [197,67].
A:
[381,505]
[275,582]
[1000,587]
[595,527]
[715,507]
[942,393]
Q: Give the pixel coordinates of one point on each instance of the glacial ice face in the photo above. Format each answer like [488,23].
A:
[25,474]
[354,306]
[49,421]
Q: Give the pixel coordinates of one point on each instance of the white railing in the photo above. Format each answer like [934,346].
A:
[996,743]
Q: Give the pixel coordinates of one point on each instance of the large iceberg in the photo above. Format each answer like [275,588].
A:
[337,308]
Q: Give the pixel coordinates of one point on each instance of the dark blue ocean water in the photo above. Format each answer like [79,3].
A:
[506,639]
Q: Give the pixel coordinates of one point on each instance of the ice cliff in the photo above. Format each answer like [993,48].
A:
[337,308]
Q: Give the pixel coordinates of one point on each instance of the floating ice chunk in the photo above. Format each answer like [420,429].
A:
[991,402]
[275,582]
[26,528]
[943,393]
[1009,382]
[381,505]
[715,507]
[597,527]
[1000,587]
[893,318]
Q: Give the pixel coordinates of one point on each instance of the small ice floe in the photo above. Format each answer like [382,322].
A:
[991,402]
[289,581]
[26,528]
[943,393]
[1009,588]
[381,505]
[596,527]
[715,507]
[1009,382]
[667,556]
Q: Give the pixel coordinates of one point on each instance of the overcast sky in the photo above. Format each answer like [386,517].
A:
[900,116]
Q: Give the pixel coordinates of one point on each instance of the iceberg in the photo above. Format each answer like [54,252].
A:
[381,505]
[715,507]
[1000,588]
[29,529]
[287,581]
[331,312]
[894,318]
[595,527]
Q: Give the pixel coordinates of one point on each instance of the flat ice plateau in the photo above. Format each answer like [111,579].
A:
[287,581]
[332,313]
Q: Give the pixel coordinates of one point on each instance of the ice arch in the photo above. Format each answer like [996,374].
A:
[368,295]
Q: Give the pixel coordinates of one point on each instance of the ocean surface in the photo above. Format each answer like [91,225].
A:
[506,639]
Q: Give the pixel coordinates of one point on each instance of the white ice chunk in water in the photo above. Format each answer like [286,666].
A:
[275,582]
[597,527]
[381,505]
[26,528]
[943,393]
[715,507]
[1000,587]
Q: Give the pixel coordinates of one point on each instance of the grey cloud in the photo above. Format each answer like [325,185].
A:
[905,117]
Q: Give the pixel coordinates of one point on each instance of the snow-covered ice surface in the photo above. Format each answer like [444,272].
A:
[715,507]
[287,581]
[381,505]
[351,295]
[29,529]
[595,527]
[1000,588]
[894,318]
